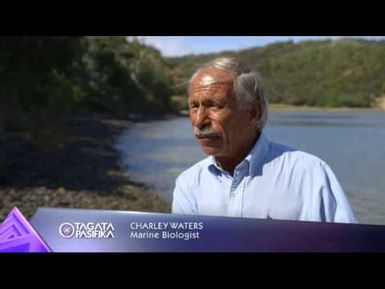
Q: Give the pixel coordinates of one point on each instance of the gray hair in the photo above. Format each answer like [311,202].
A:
[248,85]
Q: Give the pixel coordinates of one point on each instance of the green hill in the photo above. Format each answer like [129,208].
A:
[45,78]
[329,73]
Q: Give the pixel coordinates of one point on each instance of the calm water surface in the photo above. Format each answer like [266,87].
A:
[351,142]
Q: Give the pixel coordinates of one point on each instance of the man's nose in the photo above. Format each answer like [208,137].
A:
[201,116]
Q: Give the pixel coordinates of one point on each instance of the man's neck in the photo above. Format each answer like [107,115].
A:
[229,163]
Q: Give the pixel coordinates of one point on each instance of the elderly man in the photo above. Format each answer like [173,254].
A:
[246,175]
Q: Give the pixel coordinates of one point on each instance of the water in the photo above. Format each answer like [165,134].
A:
[351,142]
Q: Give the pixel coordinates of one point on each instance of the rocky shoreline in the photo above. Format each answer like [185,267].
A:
[70,165]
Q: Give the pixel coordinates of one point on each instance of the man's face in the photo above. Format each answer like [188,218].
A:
[221,127]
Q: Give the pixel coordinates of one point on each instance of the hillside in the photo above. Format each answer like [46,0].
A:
[329,73]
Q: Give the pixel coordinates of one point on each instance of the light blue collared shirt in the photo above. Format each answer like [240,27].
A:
[273,181]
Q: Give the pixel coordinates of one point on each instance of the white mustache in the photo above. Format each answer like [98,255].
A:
[205,131]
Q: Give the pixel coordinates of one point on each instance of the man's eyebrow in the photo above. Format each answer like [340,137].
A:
[207,102]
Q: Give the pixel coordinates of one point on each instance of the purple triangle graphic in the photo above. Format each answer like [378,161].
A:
[17,235]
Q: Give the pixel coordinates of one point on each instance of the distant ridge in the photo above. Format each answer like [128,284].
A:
[328,73]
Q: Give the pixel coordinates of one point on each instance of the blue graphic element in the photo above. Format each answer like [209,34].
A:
[74,230]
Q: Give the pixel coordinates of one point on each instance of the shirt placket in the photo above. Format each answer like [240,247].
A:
[236,193]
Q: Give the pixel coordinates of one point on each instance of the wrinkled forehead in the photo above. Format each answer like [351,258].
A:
[211,76]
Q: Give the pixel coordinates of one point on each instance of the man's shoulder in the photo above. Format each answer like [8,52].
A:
[193,171]
[297,158]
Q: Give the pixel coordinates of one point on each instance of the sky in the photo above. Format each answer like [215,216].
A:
[172,46]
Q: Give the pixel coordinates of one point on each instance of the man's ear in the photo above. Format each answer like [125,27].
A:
[254,112]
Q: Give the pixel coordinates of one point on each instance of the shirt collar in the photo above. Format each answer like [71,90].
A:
[254,158]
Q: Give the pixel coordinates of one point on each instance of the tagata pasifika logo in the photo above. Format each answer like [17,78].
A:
[90,230]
